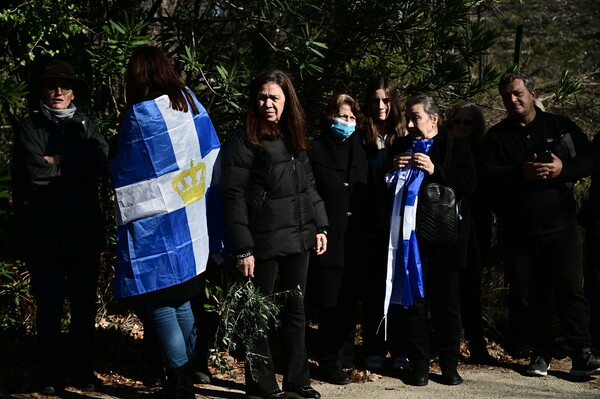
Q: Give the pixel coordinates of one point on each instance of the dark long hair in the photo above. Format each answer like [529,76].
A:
[292,125]
[150,70]
[395,124]
[333,109]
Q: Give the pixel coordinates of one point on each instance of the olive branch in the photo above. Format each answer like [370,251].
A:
[245,318]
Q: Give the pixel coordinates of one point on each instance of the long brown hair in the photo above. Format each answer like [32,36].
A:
[396,127]
[150,70]
[292,125]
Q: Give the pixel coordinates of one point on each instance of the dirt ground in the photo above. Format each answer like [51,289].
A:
[502,381]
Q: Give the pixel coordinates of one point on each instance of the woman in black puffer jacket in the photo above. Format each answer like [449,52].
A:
[274,217]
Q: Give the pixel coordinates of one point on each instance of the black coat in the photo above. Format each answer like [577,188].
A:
[343,189]
[270,203]
[333,275]
[57,206]
[461,176]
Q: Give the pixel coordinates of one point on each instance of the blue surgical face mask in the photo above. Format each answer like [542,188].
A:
[342,129]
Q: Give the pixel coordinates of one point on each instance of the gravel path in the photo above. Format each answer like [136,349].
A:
[481,382]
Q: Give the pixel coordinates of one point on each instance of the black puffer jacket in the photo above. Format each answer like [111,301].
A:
[270,203]
[57,206]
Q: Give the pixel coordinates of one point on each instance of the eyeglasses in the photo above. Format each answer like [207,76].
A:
[376,100]
[63,87]
[466,122]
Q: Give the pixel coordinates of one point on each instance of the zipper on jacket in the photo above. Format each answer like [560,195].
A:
[300,224]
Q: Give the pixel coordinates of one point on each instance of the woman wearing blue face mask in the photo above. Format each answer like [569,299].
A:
[339,164]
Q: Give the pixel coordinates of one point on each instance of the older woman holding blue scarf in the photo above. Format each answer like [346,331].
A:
[58,155]
[428,155]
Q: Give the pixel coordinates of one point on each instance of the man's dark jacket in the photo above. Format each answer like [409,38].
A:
[57,206]
[535,207]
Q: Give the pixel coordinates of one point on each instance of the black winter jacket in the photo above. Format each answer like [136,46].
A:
[344,192]
[270,203]
[57,206]
[535,207]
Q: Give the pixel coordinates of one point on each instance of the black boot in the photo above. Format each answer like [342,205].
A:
[202,374]
[180,382]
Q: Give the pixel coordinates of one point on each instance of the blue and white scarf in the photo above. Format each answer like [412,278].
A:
[404,279]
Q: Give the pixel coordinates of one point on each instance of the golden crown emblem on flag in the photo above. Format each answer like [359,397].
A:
[191,183]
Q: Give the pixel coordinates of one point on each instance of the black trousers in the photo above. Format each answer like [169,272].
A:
[292,274]
[333,288]
[54,278]
[540,267]
[443,293]
[373,274]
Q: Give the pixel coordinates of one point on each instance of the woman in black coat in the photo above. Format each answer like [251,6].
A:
[442,263]
[339,165]
[274,218]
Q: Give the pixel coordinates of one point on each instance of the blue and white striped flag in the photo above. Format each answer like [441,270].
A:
[166,199]
[404,279]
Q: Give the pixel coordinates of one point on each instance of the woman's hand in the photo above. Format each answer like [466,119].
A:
[423,162]
[321,245]
[246,266]
[402,160]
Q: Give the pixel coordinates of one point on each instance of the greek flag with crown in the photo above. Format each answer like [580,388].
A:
[165,178]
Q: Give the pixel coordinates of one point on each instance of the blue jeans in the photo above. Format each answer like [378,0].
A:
[175,329]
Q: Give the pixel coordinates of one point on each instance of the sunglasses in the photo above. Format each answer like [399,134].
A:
[466,122]
[63,87]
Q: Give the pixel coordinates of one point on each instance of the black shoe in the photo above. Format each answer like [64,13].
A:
[418,378]
[584,363]
[451,377]
[334,376]
[50,390]
[180,382]
[307,392]
[89,383]
[538,367]
[201,377]
[276,394]
[202,374]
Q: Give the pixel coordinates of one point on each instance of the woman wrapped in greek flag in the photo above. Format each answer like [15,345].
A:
[419,270]
[162,176]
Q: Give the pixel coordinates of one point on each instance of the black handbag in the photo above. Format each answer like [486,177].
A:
[438,214]
[438,210]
